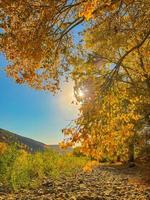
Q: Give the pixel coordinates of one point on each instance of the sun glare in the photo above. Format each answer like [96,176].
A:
[81,94]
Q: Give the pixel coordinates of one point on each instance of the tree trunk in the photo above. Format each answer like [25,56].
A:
[131,152]
[131,157]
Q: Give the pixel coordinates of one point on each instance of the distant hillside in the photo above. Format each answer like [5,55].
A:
[27,143]
[31,145]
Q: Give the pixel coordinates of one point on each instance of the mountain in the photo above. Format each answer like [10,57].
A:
[27,143]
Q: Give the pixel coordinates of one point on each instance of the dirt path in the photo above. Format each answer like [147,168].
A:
[104,183]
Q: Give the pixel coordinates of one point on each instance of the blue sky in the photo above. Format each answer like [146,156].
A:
[35,114]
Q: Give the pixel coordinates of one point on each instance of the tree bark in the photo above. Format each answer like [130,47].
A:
[131,152]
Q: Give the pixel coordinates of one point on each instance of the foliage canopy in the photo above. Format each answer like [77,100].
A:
[110,65]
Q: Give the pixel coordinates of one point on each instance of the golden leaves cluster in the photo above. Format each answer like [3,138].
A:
[115,80]
[29,41]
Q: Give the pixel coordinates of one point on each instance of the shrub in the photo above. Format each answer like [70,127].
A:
[19,169]
[77,152]
[7,159]
[20,172]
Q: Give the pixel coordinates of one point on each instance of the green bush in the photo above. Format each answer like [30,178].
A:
[19,169]
[77,152]
[6,164]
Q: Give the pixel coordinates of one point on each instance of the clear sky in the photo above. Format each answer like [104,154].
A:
[34,114]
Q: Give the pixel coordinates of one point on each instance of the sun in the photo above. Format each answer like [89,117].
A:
[80,93]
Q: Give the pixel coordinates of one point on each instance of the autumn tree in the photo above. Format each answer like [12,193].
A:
[36,37]
[110,65]
[112,69]
[108,122]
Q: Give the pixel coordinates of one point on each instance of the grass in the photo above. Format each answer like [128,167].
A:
[20,169]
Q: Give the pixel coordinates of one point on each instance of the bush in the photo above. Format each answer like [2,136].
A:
[7,159]
[20,172]
[145,151]
[77,152]
[19,169]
